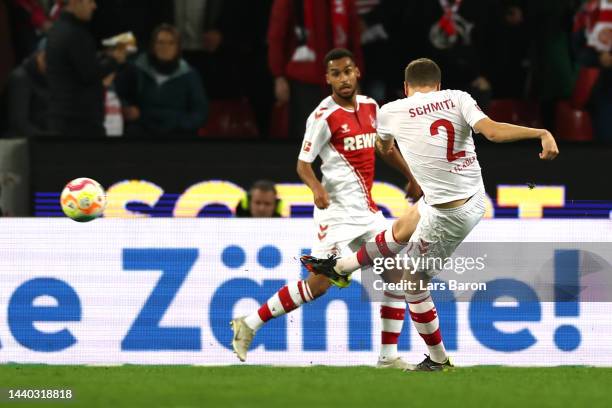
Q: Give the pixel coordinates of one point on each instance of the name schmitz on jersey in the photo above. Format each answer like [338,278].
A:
[345,140]
[431,107]
[434,133]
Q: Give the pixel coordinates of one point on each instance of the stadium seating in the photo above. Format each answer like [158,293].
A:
[517,111]
[231,118]
[587,77]
[573,124]
[279,122]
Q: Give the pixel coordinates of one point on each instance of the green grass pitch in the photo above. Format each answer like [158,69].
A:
[318,386]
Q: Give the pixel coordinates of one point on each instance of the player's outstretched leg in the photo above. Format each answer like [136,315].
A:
[287,299]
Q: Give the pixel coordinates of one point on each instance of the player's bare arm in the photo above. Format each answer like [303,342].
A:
[504,132]
[306,173]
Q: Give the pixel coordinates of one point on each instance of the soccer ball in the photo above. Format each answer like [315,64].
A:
[83,199]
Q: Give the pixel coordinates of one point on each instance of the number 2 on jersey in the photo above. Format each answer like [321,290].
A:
[450,132]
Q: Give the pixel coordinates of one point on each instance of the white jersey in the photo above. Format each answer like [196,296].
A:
[345,141]
[434,133]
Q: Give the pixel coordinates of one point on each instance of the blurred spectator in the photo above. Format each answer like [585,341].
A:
[301,32]
[239,37]
[7,56]
[260,202]
[113,114]
[550,22]
[29,24]
[601,100]
[197,23]
[451,32]
[28,97]
[161,93]
[379,21]
[507,39]
[593,46]
[113,17]
[75,73]
[56,9]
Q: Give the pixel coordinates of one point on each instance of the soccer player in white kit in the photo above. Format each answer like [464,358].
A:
[433,128]
[342,132]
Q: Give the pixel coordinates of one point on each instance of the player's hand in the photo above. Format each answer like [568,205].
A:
[321,198]
[605,59]
[107,81]
[281,90]
[549,147]
[413,191]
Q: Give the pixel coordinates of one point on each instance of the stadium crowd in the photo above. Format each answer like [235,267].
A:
[240,68]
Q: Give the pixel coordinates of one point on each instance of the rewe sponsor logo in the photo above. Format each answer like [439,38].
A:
[364,141]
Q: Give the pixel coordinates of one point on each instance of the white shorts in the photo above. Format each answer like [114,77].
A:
[336,239]
[440,231]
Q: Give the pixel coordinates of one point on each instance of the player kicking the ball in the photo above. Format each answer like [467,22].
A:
[433,129]
[342,131]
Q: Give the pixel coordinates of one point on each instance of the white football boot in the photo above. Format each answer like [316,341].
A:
[397,363]
[243,336]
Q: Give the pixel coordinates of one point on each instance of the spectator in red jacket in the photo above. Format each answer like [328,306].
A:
[300,33]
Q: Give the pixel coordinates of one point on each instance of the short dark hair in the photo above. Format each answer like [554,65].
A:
[423,72]
[338,53]
[264,185]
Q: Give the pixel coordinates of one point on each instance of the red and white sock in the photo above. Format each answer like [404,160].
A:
[289,298]
[392,311]
[425,319]
[385,245]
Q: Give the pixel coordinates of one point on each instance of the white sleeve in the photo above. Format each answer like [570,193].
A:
[385,127]
[470,110]
[316,136]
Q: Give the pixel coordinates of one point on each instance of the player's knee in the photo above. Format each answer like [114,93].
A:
[402,231]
